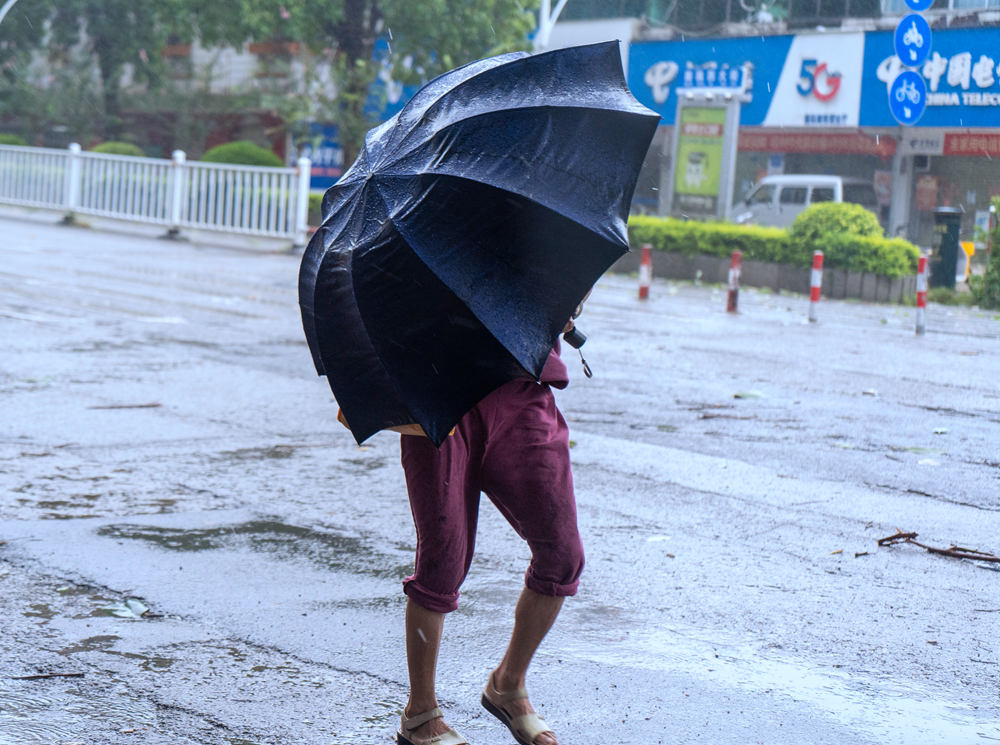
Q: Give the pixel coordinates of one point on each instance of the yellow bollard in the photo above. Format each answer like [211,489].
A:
[969,248]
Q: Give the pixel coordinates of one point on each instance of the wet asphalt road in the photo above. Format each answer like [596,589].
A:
[165,444]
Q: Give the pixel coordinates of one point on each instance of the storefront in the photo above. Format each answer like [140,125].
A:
[819,104]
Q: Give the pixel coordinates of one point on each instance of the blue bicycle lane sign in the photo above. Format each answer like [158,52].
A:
[919,4]
[912,40]
[907,97]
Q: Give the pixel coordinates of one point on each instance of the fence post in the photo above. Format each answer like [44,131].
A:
[921,294]
[815,284]
[645,271]
[304,174]
[735,268]
[74,178]
[176,183]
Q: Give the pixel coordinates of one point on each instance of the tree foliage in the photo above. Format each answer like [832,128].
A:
[423,38]
[107,44]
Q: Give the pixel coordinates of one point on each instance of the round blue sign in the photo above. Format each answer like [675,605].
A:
[912,40]
[907,97]
[919,4]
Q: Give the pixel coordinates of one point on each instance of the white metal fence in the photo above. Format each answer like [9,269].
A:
[173,193]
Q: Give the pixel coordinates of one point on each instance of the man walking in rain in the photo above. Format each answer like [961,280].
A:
[514,447]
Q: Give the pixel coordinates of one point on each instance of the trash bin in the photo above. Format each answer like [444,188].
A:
[944,251]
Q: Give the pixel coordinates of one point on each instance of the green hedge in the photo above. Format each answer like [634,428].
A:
[6,139]
[857,253]
[113,147]
[242,152]
[315,208]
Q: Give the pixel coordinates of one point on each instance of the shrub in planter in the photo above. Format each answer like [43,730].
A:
[833,218]
[715,239]
[113,147]
[242,152]
[6,139]
[892,258]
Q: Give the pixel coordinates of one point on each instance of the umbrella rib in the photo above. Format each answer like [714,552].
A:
[399,153]
[530,198]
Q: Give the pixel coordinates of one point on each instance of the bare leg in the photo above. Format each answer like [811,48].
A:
[533,618]
[423,640]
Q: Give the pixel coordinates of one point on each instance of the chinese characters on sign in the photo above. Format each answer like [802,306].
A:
[975,77]
[972,144]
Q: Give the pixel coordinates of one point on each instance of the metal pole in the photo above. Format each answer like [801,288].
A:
[178,181]
[815,285]
[735,269]
[922,295]
[303,175]
[74,174]
[546,20]
[645,271]
[6,6]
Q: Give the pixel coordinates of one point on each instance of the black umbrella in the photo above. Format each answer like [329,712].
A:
[457,245]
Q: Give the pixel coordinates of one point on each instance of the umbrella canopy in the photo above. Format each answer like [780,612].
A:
[457,245]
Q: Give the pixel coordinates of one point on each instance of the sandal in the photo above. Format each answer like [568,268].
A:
[525,727]
[407,725]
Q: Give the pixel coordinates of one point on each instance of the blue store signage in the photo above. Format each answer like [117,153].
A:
[912,40]
[961,76]
[658,68]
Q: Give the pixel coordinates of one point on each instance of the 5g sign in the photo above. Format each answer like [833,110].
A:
[816,79]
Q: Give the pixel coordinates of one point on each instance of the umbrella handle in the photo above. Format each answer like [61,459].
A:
[575,338]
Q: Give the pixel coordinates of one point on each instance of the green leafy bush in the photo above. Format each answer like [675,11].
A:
[6,139]
[948,296]
[119,148]
[857,253]
[892,257]
[820,221]
[986,289]
[242,152]
[714,239]
[315,207]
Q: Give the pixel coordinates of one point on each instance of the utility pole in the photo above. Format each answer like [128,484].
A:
[546,20]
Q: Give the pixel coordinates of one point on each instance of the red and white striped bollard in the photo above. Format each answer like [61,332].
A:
[815,285]
[921,294]
[735,268]
[645,271]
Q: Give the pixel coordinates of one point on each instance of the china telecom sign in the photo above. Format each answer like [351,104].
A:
[961,76]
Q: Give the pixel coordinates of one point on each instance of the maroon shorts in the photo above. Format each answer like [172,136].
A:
[514,447]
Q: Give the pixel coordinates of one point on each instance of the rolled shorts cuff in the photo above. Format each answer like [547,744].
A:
[428,599]
[552,589]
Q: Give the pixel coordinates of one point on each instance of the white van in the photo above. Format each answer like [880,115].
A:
[778,200]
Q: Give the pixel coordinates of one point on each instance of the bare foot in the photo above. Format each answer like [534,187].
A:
[516,707]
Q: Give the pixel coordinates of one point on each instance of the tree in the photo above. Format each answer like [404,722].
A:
[121,34]
[423,38]
[21,33]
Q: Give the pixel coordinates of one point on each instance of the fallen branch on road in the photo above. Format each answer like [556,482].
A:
[956,552]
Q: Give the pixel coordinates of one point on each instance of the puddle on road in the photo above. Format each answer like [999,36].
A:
[883,708]
[275,452]
[330,550]
[58,710]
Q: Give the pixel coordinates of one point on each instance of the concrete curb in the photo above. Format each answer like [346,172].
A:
[837,283]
